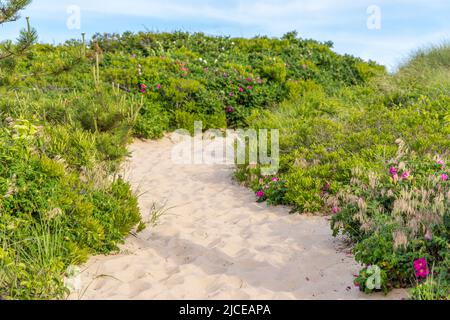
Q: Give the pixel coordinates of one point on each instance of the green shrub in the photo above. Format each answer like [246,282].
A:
[398,216]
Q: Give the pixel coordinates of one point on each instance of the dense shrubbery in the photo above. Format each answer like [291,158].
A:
[398,219]
[68,111]
[221,81]
[58,202]
[328,136]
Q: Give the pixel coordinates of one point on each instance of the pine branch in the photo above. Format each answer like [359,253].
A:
[26,38]
[9,9]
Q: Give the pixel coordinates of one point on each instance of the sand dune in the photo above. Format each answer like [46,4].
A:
[217,243]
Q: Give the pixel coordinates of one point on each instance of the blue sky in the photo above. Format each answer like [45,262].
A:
[405,24]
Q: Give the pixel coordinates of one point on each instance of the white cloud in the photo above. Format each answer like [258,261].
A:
[343,22]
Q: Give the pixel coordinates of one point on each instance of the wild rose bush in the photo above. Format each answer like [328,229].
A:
[221,81]
[399,220]
[271,190]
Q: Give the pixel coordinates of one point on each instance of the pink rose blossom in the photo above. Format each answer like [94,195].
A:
[395,178]
[405,175]
[421,268]
[260,194]
[393,170]
[444,177]
[241,89]
[420,264]
[142,88]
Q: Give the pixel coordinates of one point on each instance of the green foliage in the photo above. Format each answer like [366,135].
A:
[398,216]
[68,112]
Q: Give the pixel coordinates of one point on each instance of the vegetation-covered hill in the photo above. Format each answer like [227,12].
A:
[68,111]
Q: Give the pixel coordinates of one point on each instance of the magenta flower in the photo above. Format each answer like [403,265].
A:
[422,273]
[336,210]
[241,89]
[231,94]
[275,180]
[393,171]
[420,264]
[405,175]
[249,88]
[395,177]
[158,86]
[230,110]
[249,79]
[421,268]
[260,194]
[444,177]
[142,88]
[441,162]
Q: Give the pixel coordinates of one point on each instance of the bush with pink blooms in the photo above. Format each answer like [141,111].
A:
[399,221]
[272,190]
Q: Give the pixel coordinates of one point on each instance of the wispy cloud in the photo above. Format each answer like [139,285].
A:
[406,24]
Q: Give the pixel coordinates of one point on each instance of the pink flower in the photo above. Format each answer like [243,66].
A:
[405,175]
[428,235]
[231,94]
[142,88]
[260,194]
[249,88]
[241,89]
[393,170]
[420,264]
[421,268]
[158,86]
[441,162]
[266,187]
[444,177]
[275,180]
[230,109]
[395,178]
[336,210]
[422,273]
[249,79]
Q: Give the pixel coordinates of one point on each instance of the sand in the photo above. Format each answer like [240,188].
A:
[216,242]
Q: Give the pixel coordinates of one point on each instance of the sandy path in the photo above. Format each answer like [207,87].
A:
[217,243]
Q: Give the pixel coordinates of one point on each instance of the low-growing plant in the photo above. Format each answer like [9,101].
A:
[398,219]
